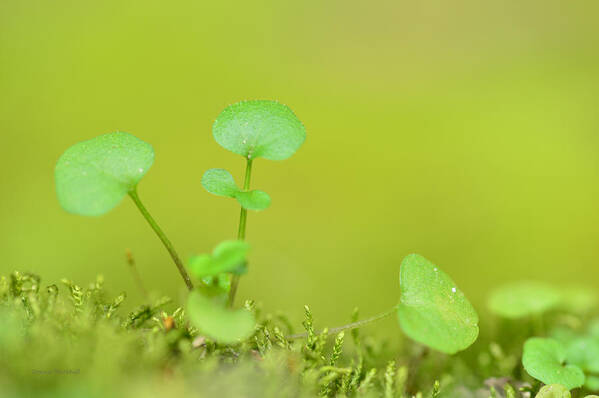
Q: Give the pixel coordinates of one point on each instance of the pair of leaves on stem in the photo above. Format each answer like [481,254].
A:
[220,182]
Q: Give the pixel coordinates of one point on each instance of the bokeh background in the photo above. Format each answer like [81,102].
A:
[465,131]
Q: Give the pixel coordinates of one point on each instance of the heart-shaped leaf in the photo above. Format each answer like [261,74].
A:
[259,128]
[523,299]
[93,176]
[432,310]
[213,319]
[553,391]
[220,182]
[228,256]
[544,359]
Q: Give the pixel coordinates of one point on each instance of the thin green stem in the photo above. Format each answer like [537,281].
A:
[349,326]
[241,231]
[167,243]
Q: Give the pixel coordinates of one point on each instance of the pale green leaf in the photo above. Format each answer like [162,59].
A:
[544,359]
[253,200]
[432,310]
[523,299]
[93,176]
[219,182]
[214,320]
[553,391]
[584,352]
[228,256]
[259,128]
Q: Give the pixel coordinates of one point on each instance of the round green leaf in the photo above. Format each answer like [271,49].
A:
[544,359]
[216,321]
[93,176]
[432,310]
[260,128]
[228,256]
[219,182]
[553,391]
[521,299]
[253,200]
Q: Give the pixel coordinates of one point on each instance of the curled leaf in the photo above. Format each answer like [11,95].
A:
[553,391]
[93,176]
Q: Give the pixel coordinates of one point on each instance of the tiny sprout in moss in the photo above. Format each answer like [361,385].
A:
[545,360]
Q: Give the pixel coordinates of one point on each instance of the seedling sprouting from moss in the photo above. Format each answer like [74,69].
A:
[432,310]
[92,177]
[252,129]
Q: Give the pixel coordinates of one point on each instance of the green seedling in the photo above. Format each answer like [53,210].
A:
[252,129]
[92,177]
[432,310]
[545,360]
[523,299]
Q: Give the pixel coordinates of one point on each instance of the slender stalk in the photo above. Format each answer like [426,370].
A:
[241,231]
[136,275]
[349,326]
[167,243]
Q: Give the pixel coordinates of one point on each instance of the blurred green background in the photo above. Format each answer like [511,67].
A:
[465,131]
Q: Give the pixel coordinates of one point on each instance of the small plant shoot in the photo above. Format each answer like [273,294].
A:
[92,177]
[253,129]
[545,360]
[432,310]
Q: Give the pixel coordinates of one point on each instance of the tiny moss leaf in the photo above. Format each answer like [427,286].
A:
[259,128]
[432,310]
[544,359]
[216,321]
[523,299]
[92,177]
